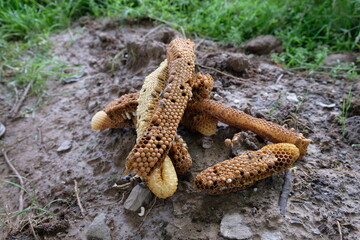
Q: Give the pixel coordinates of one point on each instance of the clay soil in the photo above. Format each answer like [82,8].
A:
[114,58]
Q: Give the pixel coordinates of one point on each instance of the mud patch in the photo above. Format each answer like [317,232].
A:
[115,57]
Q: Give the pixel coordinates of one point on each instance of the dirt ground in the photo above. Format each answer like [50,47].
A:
[114,58]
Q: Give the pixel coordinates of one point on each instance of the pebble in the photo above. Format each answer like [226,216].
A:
[92,105]
[65,146]
[2,129]
[271,236]
[207,142]
[232,227]
[292,97]
[217,97]
[98,229]
[139,196]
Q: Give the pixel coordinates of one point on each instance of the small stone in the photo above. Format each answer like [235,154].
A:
[315,231]
[207,142]
[292,97]
[271,236]
[232,227]
[92,105]
[2,129]
[98,229]
[217,97]
[138,197]
[65,146]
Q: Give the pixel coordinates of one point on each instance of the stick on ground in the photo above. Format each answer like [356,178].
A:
[340,232]
[32,229]
[17,106]
[21,196]
[77,190]
[285,191]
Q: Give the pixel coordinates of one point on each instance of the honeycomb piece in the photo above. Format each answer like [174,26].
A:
[101,121]
[240,172]
[163,180]
[149,97]
[195,121]
[153,145]
[123,108]
[179,155]
[268,130]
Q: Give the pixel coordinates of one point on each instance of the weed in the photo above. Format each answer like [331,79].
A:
[277,104]
[346,103]
[302,100]
[34,208]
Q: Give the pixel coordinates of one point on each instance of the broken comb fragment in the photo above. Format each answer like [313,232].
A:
[244,170]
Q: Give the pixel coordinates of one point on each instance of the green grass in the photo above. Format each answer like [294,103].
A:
[34,209]
[309,29]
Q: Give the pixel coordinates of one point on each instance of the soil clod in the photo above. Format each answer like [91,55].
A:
[263,45]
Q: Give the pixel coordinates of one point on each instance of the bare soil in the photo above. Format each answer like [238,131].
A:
[115,57]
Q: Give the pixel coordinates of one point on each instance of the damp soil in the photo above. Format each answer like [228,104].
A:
[113,58]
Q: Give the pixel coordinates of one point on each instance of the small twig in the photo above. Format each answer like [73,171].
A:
[279,78]
[16,96]
[340,232]
[147,213]
[40,136]
[40,142]
[32,229]
[21,197]
[286,188]
[198,44]
[77,190]
[223,73]
[110,203]
[16,108]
